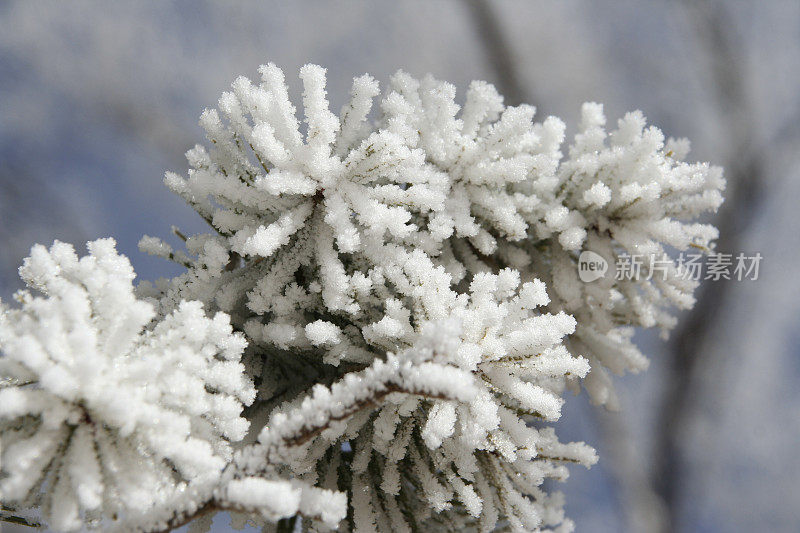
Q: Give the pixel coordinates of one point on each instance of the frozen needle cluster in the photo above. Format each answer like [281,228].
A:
[395,296]
[103,414]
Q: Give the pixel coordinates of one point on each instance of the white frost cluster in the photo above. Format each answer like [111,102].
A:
[625,192]
[406,277]
[437,434]
[102,416]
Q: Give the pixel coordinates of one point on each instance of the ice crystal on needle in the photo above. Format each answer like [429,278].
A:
[405,275]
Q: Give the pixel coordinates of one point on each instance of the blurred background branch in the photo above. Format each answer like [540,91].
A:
[499,56]
[718,50]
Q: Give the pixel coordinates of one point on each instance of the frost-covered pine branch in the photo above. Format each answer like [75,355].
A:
[104,414]
[393,295]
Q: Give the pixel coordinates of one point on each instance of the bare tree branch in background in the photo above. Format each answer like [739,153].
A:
[745,172]
[641,508]
[499,55]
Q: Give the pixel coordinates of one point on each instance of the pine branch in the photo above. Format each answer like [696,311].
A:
[11,518]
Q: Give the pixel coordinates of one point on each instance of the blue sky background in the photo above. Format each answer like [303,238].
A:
[98,99]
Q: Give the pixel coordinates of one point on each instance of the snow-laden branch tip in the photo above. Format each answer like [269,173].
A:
[104,414]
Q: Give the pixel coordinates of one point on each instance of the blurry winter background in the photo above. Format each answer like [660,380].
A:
[98,99]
